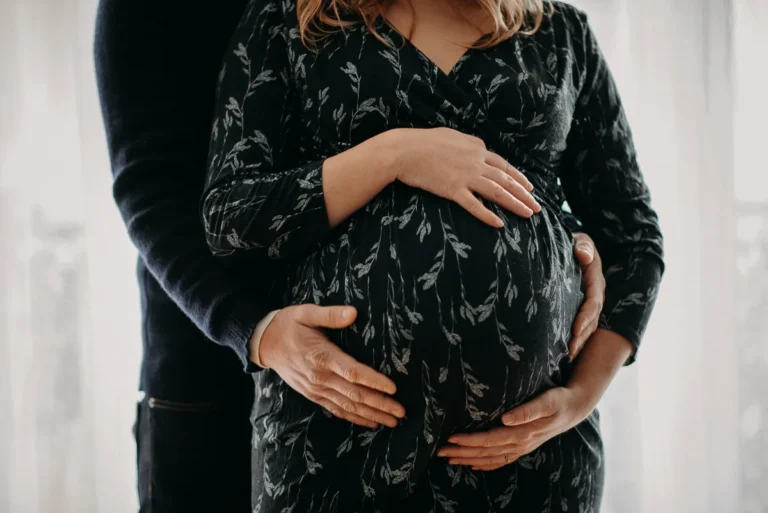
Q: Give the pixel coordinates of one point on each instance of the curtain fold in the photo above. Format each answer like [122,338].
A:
[671,421]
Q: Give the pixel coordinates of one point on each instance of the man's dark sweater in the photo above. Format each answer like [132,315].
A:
[157,65]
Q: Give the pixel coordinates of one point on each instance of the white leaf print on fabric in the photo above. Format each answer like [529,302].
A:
[469,321]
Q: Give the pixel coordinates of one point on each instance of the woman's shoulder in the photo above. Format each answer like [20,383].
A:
[271,14]
[567,13]
[569,19]
[569,23]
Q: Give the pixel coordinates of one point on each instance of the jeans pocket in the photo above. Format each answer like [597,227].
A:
[198,456]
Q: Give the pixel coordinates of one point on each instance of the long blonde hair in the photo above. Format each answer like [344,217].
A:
[320,18]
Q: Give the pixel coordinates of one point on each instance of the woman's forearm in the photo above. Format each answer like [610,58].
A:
[354,177]
[288,212]
[603,355]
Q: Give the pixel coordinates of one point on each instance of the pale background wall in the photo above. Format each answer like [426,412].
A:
[686,428]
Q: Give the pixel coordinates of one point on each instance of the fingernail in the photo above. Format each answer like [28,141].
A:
[441,453]
[344,314]
[452,462]
[538,207]
[452,440]
[506,420]
[529,186]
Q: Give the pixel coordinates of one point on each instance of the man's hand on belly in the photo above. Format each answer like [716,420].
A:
[294,346]
[592,271]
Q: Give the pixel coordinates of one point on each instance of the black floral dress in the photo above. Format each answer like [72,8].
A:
[468,320]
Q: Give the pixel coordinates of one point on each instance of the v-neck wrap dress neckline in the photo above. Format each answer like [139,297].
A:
[468,320]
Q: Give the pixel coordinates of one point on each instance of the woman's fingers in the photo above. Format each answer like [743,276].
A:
[361,395]
[486,468]
[497,161]
[491,438]
[505,435]
[474,206]
[494,192]
[512,186]
[486,463]
[459,451]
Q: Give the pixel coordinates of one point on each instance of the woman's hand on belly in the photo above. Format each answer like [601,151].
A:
[554,412]
[457,166]
[526,428]
[443,161]
[559,409]
[294,346]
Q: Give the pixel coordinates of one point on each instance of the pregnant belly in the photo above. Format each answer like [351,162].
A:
[445,302]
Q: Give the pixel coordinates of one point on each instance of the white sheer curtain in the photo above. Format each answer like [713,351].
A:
[671,422]
[684,427]
[69,324]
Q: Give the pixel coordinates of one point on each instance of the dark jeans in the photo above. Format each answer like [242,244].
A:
[194,456]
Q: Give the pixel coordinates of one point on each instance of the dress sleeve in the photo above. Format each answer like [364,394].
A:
[606,191]
[259,196]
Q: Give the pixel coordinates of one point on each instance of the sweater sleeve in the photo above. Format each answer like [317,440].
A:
[606,191]
[154,95]
[260,197]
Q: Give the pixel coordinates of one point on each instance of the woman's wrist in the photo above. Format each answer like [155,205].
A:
[598,363]
[390,149]
[585,399]
[354,177]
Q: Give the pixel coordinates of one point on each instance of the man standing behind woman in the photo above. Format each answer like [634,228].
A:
[157,64]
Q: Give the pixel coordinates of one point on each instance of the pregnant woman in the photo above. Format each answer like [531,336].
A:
[412,160]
